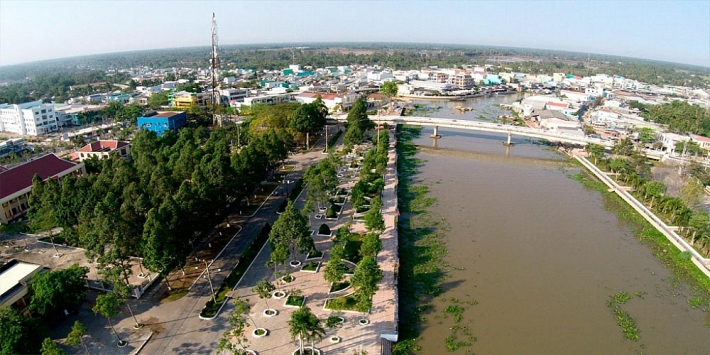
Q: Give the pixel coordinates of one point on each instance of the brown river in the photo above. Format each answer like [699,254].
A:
[537,256]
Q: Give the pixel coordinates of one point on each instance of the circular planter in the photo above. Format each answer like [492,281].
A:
[294,263]
[334,339]
[307,350]
[259,333]
[288,278]
[122,343]
[251,352]
[363,321]
[279,295]
[270,312]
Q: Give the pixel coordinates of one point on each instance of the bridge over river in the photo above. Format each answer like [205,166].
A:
[508,130]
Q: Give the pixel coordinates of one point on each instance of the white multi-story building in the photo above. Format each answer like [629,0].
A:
[31,118]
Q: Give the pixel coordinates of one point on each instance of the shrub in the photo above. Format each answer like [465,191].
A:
[330,213]
[324,229]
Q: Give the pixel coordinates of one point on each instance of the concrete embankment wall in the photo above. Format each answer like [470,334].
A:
[701,262]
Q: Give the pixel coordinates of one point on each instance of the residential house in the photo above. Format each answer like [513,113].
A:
[103,149]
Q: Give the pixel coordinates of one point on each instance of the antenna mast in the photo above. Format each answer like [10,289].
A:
[214,62]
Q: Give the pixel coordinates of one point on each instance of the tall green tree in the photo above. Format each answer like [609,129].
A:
[364,281]
[335,269]
[58,290]
[19,334]
[107,305]
[304,325]
[263,289]
[309,117]
[291,230]
[692,192]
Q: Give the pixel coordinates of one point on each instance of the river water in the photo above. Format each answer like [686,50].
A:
[537,255]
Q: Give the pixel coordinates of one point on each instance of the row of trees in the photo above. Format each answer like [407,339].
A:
[680,116]
[158,204]
[683,211]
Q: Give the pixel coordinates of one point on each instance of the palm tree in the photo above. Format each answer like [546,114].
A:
[304,325]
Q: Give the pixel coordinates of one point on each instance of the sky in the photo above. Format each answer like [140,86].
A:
[675,31]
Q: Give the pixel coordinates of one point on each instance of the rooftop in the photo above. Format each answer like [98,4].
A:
[168,113]
[20,177]
[103,146]
[15,273]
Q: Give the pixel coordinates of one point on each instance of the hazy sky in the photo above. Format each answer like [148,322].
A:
[676,31]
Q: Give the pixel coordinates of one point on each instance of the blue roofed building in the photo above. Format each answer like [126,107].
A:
[163,121]
[493,79]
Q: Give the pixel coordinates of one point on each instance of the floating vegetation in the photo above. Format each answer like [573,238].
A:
[453,343]
[623,319]
[456,311]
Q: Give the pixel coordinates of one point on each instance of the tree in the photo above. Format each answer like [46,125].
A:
[158,99]
[291,230]
[321,179]
[654,189]
[42,214]
[692,192]
[19,334]
[76,335]
[309,117]
[698,222]
[264,288]
[623,147]
[51,348]
[233,340]
[647,135]
[373,218]
[57,290]
[358,123]
[390,89]
[595,150]
[304,325]
[335,269]
[123,292]
[364,281]
[107,305]
[371,245]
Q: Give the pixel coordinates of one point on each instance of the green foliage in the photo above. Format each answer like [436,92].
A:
[74,338]
[390,88]
[681,117]
[51,348]
[324,229]
[107,304]
[234,340]
[333,321]
[305,326]
[364,280]
[291,231]
[55,291]
[158,99]
[623,147]
[19,334]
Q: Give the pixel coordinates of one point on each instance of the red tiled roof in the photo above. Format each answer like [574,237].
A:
[558,104]
[20,177]
[101,144]
[701,138]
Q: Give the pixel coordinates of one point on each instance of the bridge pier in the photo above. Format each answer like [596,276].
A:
[435,142]
[509,143]
[436,133]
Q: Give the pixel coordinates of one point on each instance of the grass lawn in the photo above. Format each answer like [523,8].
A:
[314,254]
[249,254]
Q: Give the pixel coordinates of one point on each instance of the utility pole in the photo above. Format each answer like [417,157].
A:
[214,62]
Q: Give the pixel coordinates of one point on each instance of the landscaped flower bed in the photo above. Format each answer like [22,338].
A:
[287,278]
[295,301]
[311,266]
[324,230]
[260,333]
[314,254]
[307,350]
[339,286]
[363,321]
[270,312]
[334,339]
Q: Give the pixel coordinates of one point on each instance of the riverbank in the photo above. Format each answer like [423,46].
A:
[668,246]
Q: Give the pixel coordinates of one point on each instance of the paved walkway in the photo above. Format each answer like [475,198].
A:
[353,336]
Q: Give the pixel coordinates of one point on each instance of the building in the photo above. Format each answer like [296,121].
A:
[268,99]
[15,277]
[184,99]
[163,121]
[463,81]
[334,102]
[232,96]
[10,146]
[16,183]
[102,149]
[31,118]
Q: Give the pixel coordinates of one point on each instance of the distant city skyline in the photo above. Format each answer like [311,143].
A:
[673,31]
